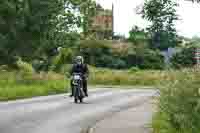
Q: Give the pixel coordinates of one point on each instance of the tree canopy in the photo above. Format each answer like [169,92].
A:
[29,28]
[162,15]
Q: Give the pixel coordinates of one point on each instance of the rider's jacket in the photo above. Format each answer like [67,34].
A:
[83,69]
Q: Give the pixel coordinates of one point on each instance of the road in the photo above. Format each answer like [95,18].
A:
[58,114]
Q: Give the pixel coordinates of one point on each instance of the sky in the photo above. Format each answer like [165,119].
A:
[125,16]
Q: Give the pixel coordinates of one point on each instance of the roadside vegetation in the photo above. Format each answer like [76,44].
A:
[40,38]
[178,104]
[20,84]
[131,77]
[17,85]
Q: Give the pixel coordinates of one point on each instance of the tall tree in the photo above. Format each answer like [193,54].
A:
[162,14]
[88,10]
[136,35]
[27,26]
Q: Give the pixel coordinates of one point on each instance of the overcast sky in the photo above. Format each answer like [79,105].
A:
[126,17]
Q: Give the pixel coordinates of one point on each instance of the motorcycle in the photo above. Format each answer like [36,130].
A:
[77,81]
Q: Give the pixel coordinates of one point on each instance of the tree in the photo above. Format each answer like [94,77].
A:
[162,14]
[87,10]
[136,35]
[29,28]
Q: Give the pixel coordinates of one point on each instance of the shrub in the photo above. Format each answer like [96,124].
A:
[64,57]
[119,64]
[150,60]
[93,50]
[179,106]
[185,58]
[101,54]
[134,69]
[24,66]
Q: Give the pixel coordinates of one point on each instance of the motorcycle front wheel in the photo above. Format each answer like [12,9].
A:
[81,99]
[75,100]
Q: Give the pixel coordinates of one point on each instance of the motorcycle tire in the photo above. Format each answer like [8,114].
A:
[81,100]
[75,100]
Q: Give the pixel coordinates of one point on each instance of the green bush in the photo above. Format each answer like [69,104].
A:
[179,105]
[41,64]
[119,64]
[24,66]
[104,61]
[185,58]
[93,50]
[64,57]
[150,59]
[101,54]
[134,69]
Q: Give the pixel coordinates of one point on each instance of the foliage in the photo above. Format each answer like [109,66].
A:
[134,69]
[88,9]
[150,60]
[185,58]
[64,57]
[92,50]
[136,35]
[25,23]
[179,103]
[99,76]
[16,85]
[102,54]
[195,40]
[29,28]
[24,66]
[163,15]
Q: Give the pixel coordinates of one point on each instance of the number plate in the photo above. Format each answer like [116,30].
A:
[77,77]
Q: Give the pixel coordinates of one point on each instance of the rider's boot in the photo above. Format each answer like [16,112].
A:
[72,92]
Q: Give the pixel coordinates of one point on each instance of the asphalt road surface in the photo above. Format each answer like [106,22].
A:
[59,114]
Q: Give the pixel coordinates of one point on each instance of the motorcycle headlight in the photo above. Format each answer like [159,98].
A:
[77,77]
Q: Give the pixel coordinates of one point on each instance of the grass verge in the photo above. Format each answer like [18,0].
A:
[14,85]
[179,103]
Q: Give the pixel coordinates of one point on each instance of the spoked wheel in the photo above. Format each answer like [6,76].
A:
[75,100]
[78,95]
[81,99]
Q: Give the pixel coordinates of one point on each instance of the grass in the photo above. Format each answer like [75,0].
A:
[18,85]
[126,77]
[179,103]
[14,85]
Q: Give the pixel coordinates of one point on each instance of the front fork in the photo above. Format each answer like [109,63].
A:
[74,86]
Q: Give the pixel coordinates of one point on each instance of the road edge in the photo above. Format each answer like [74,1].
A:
[91,128]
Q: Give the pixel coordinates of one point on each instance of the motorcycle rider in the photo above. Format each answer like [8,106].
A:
[80,67]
